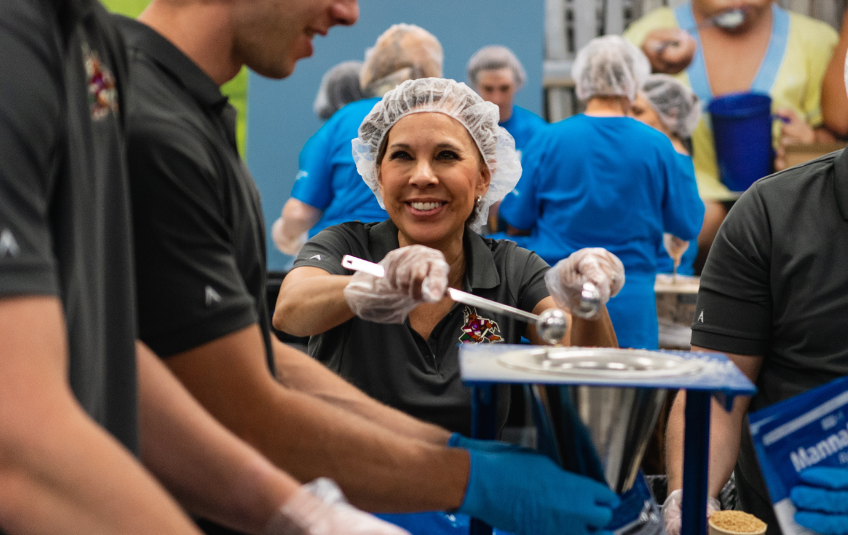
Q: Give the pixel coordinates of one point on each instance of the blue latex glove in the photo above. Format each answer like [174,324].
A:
[458,441]
[524,492]
[822,500]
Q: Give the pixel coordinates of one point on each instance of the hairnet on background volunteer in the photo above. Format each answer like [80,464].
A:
[339,86]
[493,58]
[677,106]
[403,52]
[609,66]
[453,99]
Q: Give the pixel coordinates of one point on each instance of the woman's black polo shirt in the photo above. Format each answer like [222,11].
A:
[393,363]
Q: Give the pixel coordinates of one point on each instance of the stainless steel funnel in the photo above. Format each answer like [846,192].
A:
[597,431]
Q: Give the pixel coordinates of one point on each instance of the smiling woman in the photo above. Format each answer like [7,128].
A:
[433,154]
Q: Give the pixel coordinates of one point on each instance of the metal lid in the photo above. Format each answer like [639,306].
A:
[600,363]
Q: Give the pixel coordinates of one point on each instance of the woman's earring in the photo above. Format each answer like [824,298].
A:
[479,200]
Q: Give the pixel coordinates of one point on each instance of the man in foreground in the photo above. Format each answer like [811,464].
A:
[79,397]
[201,278]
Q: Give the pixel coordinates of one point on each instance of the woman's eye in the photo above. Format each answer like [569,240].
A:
[400,155]
[447,155]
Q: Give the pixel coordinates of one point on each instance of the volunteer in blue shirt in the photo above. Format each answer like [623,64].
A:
[497,75]
[328,190]
[602,179]
[671,107]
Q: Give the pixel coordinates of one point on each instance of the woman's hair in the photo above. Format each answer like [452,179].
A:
[609,66]
[403,52]
[480,118]
[493,58]
[339,86]
[677,106]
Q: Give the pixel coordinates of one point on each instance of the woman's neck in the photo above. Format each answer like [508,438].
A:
[607,106]
[453,251]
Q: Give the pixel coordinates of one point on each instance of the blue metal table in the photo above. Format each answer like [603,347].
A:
[718,377]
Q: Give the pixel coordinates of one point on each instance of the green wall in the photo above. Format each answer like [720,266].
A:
[236,88]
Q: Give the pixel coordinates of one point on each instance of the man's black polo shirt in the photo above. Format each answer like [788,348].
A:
[64,202]
[199,230]
[776,285]
[393,363]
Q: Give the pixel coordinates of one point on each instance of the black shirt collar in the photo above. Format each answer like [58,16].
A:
[841,183]
[480,271]
[197,83]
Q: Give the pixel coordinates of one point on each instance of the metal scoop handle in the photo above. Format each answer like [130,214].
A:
[358,264]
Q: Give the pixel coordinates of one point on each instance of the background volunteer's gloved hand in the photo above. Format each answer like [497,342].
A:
[459,441]
[602,268]
[319,508]
[672,512]
[675,247]
[414,275]
[524,492]
[822,500]
[290,245]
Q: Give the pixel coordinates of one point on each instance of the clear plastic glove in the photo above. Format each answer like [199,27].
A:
[319,508]
[669,50]
[675,247]
[524,492]
[413,275]
[793,130]
[459,441]
[287,244]
[822,500]
[672,512]
[602,268]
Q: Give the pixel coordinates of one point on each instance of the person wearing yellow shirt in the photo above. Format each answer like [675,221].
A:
[773,51]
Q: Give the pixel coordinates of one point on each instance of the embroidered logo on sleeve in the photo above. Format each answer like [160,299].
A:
[212,297]
[478,329]
[8,244]
[701,317]
[102,91]
[315,257]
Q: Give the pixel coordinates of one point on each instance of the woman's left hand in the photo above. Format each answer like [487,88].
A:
[596,265]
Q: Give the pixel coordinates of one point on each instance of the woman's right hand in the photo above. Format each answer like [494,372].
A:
[413,275]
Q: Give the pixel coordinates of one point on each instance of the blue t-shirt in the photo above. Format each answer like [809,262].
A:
[608,182]
[523,125]
[664,262]
[327,178]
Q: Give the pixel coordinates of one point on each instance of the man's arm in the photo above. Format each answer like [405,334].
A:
[379,470]
[61,472]
[208,469]
[834,101]
[300,372]
[725,431]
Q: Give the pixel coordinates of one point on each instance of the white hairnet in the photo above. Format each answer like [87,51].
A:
[403,52]
[677,106]
[493,58]
[456,100]
[609,66]
[339,86]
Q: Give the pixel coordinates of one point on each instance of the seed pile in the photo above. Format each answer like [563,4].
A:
[737,521]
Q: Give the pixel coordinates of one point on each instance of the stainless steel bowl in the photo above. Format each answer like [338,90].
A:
[599,363]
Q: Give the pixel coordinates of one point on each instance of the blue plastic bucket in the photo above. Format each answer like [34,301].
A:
[741,125]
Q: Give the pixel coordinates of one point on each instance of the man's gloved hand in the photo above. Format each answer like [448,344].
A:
[602,268]
[672,512]
[319,508]
[413,275]
[524,492]
[822,500]
[459,441]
